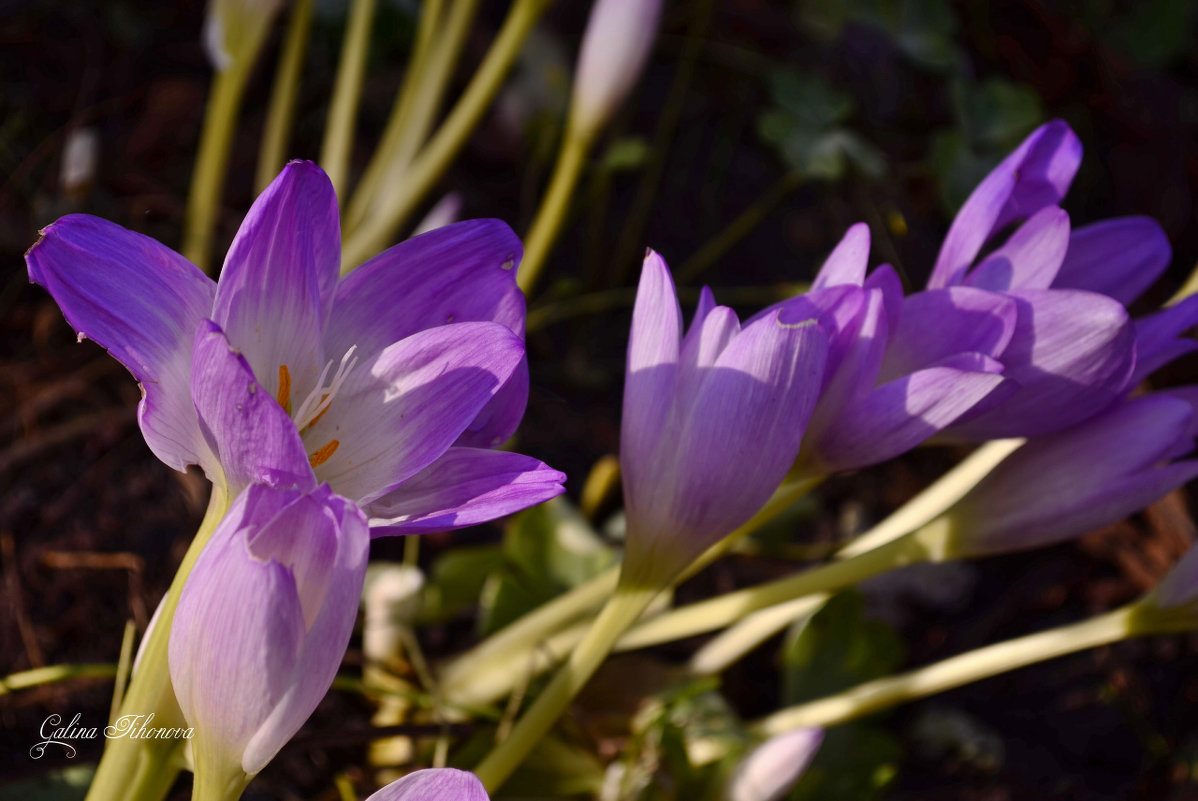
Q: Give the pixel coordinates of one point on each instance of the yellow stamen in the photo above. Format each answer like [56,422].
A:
[322,454]
[285,388]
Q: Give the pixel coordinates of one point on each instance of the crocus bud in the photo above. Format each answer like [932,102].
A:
[234,29]
[712,421]
[262,624]
[615,47]
[1064,484]
[435,784]
[773,767]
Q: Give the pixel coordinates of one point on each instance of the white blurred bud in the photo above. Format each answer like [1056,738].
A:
[446,211]
[615,47]
[79,157]
[773,767]
[234,29]
[390,600]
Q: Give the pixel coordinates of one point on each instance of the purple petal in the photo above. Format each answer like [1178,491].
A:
[899,415]
[254,439]
[276,287]
[1035,175]
[939,323]
[465,487]
[1072,356]
[847,262]
[1030,259]
[838,310]
[704,307]
[434,784]
[772,768]
[1120,258]
[461,273]
[654,345]
[401,413]
[702,346]
[1157,337]
[886,280]
[142,302]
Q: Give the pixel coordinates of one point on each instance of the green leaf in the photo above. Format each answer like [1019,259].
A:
[457,578]
[625,154]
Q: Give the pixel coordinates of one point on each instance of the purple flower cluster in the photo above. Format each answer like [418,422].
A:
[1022,331]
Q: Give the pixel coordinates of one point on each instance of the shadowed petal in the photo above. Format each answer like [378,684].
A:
[938,323]
[1120,258]
[434,784]
[885,279]
[276,287]
[254,440]
[1158,337]
[1030,259]
[1035,175]
[465,487]
[398,415]
[142,302]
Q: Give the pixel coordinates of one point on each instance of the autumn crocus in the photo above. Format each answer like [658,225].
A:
[712,420]
[434,784]
[400,375]
[261,627]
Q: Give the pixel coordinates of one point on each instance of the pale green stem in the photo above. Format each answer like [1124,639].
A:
[381,228]
[217,785]
[51,674]
[124,667]
[473,678]
[428,31]
[727,648]
[212,160]
[955,671]
[739,228]
[623,608]
[347,91]
[555,207]
[150,692]
[277,132]
[413,115]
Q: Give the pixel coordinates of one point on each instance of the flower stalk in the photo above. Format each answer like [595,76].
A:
[272,154]
[339,130]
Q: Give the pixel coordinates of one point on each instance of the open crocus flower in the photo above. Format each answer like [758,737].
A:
[434,784]
[262,624]
[398,376]
[712,420]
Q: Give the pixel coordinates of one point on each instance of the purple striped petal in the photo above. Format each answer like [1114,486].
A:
[434,784]
[254,439]
[1030,259]
[1158,337]
[1120,258]
[142,302]
[939,323]
[1035,175]
[398,415]
[1072,356]
[276,287]
[847,262]
[886,280]
[465,487]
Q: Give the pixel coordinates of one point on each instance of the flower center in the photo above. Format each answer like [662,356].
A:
[319,401]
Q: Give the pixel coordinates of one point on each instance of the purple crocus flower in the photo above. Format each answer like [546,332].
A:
[1064,484]
[389,384]
[434,784]
[712,420]
[262,624]
[769,771]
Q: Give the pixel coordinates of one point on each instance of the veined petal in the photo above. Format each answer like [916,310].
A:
[1120,258]
[465,487]
[1030,259]
[886,280]
[465,272]
[1035,175]
[276,287]
[847,262]
[434,784]
[703,345]
[142,302]
[938,323]
[1072,355]
[1158,337]
[650,379]
[254,439]
[401,413]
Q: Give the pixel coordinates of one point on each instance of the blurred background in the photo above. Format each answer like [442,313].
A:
[761,130]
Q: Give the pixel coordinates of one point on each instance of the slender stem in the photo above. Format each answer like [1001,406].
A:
[150,689]
[554,209]
[51,674]
[623,608]
[730,645]
[379,229]
[212,161]
[954,672]
[123,668]
[413,116]
[738,229]
[277,132]
[339,130]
